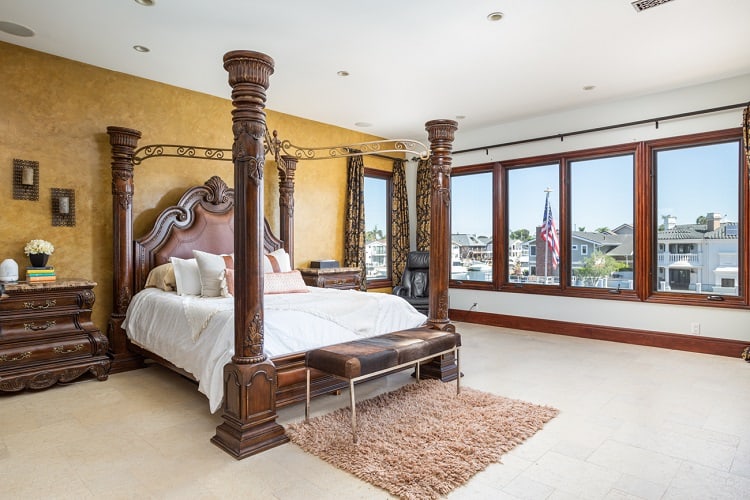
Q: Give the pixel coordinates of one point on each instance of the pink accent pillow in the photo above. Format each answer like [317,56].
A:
[229,280]
[290,282]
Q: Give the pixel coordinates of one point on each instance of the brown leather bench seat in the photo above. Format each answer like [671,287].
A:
[365,358]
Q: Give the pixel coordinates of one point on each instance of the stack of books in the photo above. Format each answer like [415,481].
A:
[40,274]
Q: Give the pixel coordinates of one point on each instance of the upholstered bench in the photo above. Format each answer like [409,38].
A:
[365,358]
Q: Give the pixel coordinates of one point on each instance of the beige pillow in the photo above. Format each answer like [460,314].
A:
[290,282]
[162,277]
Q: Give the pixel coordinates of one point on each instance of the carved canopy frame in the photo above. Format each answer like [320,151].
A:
[250,380]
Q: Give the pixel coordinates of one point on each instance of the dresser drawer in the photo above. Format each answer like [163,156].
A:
[40,303]
[37,326]
[338,281]
[16,355]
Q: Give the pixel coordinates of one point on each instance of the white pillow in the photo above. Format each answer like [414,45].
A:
[211,269]
[187,276]
[281,258]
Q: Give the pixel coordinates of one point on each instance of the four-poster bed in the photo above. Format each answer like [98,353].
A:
[219,220]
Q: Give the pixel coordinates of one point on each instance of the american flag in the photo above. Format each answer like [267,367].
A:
[549,234]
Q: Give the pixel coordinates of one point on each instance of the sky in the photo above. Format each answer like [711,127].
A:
[375,203]
[691,182]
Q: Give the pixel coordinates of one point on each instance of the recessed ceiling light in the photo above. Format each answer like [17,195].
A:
[460,117]
[494,16]
[363,124]
[589,87]
[342,73]
[15,29]
[146,3]
[141,48]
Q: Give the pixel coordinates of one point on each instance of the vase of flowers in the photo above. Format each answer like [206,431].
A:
[38,252]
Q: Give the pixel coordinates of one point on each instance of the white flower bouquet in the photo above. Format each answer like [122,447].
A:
[38,246]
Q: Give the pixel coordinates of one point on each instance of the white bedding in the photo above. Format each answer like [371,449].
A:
[197,334]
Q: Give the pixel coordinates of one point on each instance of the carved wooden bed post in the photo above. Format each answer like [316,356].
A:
[249,415]
[440,134]
[287,168]
[123,142]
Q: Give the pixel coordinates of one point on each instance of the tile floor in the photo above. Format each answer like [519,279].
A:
[635,422]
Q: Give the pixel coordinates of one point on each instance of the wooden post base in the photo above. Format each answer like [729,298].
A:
[249,410]
[122,358]
[442,368]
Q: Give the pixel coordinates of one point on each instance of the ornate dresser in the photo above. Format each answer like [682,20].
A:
[47,336]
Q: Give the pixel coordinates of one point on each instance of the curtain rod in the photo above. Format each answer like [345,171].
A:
[607,127]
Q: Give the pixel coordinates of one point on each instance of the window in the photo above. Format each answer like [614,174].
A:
[533,208]
[377,227]
[684,200]
[601,211]
[697,211]
[471,227]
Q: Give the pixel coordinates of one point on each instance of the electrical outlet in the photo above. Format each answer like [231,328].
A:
[695,328]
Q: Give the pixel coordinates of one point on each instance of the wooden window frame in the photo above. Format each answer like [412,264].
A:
[387,281]
[644,221]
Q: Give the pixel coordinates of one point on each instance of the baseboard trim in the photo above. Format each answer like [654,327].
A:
[692,343]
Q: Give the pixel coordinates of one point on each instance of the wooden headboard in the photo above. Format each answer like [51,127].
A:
[203,219]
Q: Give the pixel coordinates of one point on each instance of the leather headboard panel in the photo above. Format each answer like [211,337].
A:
[213,233]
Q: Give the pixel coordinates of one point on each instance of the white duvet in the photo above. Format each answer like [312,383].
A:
[197,334]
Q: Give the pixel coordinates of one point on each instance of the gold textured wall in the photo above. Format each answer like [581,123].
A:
[56,111]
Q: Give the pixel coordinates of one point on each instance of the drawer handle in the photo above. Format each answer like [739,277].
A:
[5,358]
[47,305]
[62,350]
[33,327]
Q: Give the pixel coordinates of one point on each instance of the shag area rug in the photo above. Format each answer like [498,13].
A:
[422,440]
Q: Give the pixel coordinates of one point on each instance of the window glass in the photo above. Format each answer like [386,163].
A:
[533,211]
[601,219]
[377,227]
[697,195]
[471,227]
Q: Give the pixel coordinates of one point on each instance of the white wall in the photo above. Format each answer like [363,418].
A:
[714,322]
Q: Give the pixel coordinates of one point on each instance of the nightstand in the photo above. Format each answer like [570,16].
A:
[47,336]
[342,278]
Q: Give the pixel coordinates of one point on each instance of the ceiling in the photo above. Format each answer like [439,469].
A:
[409,61]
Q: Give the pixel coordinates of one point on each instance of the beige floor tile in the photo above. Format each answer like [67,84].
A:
[635,423]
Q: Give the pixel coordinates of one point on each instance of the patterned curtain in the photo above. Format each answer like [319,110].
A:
[399,222]
[746,134]
[424,188]
[354,227]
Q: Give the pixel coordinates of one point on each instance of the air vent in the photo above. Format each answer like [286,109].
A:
[641,5]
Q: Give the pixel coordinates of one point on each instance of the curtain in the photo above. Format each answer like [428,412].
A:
[424,188]
[746,134]
[354,227]
[399,222]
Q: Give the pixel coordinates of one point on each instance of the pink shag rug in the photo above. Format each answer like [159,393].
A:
[422,440]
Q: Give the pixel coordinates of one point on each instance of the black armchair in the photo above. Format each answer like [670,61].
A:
[414,287]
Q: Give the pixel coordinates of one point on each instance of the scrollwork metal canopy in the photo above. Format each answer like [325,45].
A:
[277,147]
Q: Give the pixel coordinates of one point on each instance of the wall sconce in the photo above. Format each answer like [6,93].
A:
[25,180]
[63,207]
